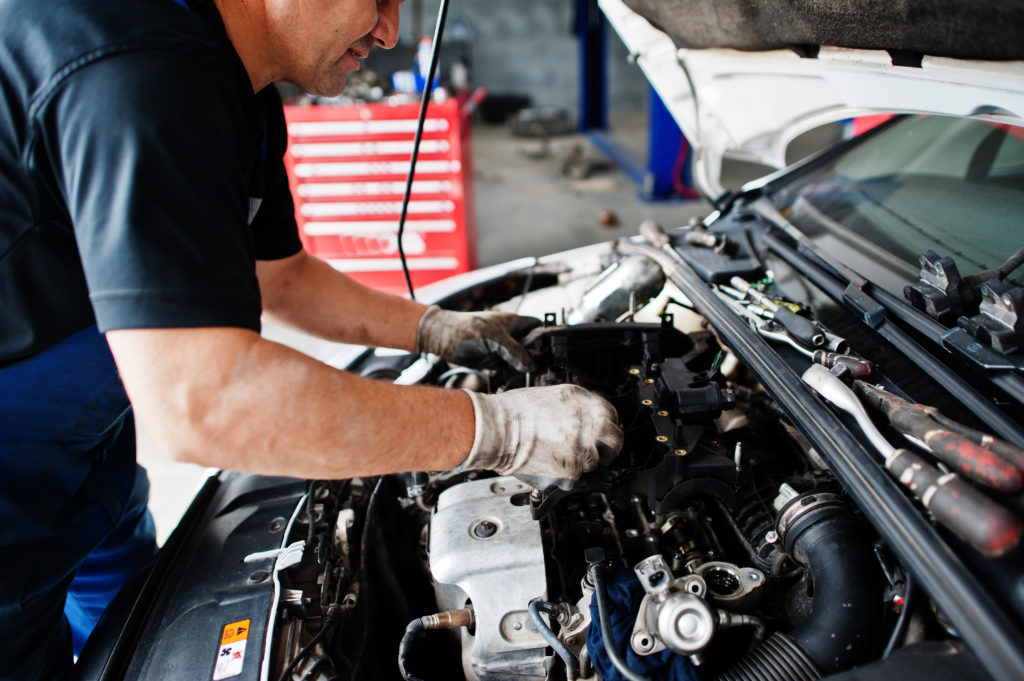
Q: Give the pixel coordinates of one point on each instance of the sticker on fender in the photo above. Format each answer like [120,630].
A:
[232,650]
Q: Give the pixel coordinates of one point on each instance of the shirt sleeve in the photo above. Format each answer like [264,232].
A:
[154,150]
[274,228]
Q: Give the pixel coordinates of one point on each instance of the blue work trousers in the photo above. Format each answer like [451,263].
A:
[73,519]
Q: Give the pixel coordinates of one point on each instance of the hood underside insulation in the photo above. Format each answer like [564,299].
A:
[973,29]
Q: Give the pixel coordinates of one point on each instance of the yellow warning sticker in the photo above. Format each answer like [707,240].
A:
[231,655]
[236,631]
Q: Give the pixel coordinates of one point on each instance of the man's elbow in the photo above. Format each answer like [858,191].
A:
[182,437]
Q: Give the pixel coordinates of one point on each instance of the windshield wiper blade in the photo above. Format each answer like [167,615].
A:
[851,290]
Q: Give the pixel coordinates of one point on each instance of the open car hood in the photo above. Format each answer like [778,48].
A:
[744,82]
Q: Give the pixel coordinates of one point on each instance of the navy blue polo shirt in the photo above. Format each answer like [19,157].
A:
[132,154]
[140,180]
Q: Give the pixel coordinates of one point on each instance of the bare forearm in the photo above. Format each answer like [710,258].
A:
[306,293]
[250,404]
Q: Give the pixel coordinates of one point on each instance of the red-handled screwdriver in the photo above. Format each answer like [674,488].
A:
[979,463]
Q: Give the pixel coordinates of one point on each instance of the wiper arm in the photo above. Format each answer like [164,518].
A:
[850,289]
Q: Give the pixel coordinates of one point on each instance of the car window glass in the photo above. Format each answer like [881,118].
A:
[955,186]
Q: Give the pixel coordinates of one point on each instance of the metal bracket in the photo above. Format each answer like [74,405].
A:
[938,292]
[1000,319]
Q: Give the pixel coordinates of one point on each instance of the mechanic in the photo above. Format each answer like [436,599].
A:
[145,227]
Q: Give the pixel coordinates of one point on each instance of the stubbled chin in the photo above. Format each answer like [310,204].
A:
[333,84]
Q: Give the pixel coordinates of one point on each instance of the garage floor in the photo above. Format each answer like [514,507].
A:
[531,199]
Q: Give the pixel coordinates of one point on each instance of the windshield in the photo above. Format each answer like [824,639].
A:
[951,185]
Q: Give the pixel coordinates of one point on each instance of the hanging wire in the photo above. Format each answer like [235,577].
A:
[435,52]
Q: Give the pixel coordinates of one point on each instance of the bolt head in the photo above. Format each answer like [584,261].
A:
[485,529]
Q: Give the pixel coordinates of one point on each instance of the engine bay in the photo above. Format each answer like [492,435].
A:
[719,543]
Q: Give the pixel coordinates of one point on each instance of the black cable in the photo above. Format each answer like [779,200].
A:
[1014,261]
[901,623]
[604,616]
[364,592]
[329,619]
[572,668]
[413,628]
[435,52]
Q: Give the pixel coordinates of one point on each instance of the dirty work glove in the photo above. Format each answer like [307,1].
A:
[552,432]
[480,340]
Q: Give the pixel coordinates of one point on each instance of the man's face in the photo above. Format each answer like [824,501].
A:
[316,44]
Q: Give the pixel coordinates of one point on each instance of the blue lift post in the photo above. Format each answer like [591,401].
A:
[591,30]
[657,178]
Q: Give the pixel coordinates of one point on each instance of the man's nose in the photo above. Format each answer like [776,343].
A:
[385,33]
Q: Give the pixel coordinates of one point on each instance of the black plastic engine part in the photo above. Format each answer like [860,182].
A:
[720,265]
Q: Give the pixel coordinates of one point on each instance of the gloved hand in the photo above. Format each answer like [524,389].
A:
[547,432]
[476,339]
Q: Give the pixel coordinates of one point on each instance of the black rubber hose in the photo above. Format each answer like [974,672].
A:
[777,658]
[411,631]
[842,628]
[572,667]
[600,591]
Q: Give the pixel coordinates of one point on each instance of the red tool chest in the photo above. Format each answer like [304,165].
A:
[347,166]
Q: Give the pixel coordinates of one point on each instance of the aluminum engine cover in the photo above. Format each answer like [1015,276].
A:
[487,551]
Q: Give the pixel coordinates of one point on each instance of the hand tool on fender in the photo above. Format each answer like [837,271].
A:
[972,459]
[761,321]
[843,364]
[839,363]
[801,329]
[964,510]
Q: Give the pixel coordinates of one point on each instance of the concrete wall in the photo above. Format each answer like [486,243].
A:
[525,47]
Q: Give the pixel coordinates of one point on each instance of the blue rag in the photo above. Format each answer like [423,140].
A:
[624,596]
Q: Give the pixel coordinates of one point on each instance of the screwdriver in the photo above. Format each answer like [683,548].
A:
[801,329]
[971,459]
[969,514]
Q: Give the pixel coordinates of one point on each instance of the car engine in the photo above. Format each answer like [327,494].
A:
[717,544]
